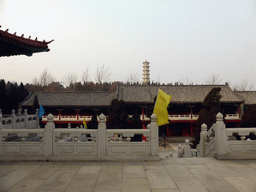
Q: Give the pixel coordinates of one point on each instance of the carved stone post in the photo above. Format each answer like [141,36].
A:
[26,117]
[48,140]
[221,140]
[187,149]
[154,136]
[37,118]
[13,116]
[101,139]
[203,134]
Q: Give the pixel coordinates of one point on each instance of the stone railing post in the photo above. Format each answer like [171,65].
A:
[187,149]
[101,139]
[203,134]
[221,140]
[48,140]
[37,118]
[19,112]
[154,136]
[13,116]
[26,117]
[1,125]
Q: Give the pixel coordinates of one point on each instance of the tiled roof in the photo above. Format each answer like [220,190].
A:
[180,93]
[70,99]
[248,96]
[131,94]
[11,44]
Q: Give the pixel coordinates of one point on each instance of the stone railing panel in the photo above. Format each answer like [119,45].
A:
[31,143]
[119,142]
[77,142]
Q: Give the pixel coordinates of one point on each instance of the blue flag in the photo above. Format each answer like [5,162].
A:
[41,111]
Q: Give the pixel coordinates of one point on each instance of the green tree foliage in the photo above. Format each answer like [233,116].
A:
[117,115]
[3,98]
[35,105]
[249,117]
[11,95]
[136,124]
[93,123]
[207,115]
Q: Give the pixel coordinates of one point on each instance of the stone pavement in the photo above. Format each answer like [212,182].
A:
[169,174]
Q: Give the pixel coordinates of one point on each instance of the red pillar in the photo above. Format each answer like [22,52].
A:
[142,113]
[77,114]
[191,129]
[59,114]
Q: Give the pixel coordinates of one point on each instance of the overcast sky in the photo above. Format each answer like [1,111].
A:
[184,40]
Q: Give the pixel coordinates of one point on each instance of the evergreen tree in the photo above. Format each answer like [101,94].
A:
[136,124]
[117,115]
[3,99]
[35,105]
[207,115]
[93,123]
[22,93]
[249,117]
[12,96]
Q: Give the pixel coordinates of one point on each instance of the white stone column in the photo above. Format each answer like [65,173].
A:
[48,139]
[187,149]
[13,116]
[101,139]
[203,134]
[154,136]
[221,140]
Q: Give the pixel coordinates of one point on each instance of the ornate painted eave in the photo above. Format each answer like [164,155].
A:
[11,45]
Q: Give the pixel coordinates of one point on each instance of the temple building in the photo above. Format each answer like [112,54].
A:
[11,45]
[186,102]
[249,98]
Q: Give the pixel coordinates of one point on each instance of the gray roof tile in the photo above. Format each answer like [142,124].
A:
[70,98]
[180,93]
[248,96]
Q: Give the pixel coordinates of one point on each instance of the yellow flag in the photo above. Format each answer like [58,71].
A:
[84,122]
[160,108]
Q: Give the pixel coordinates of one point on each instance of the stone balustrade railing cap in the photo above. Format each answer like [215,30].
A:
[50,117]
[203,127]
[102,116]
[219,116]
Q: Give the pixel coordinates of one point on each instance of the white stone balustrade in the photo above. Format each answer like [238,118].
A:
[81,144]
[218,142]
[177,117]
[20,121]
[186,151]
[30,144]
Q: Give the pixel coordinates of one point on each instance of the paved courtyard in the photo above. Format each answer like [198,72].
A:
[170,174]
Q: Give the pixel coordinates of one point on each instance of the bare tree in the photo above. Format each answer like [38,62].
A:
[69,79]
[132,77]
[46,78]
[213,79]
[86,76]
[244,85]
[103,74]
